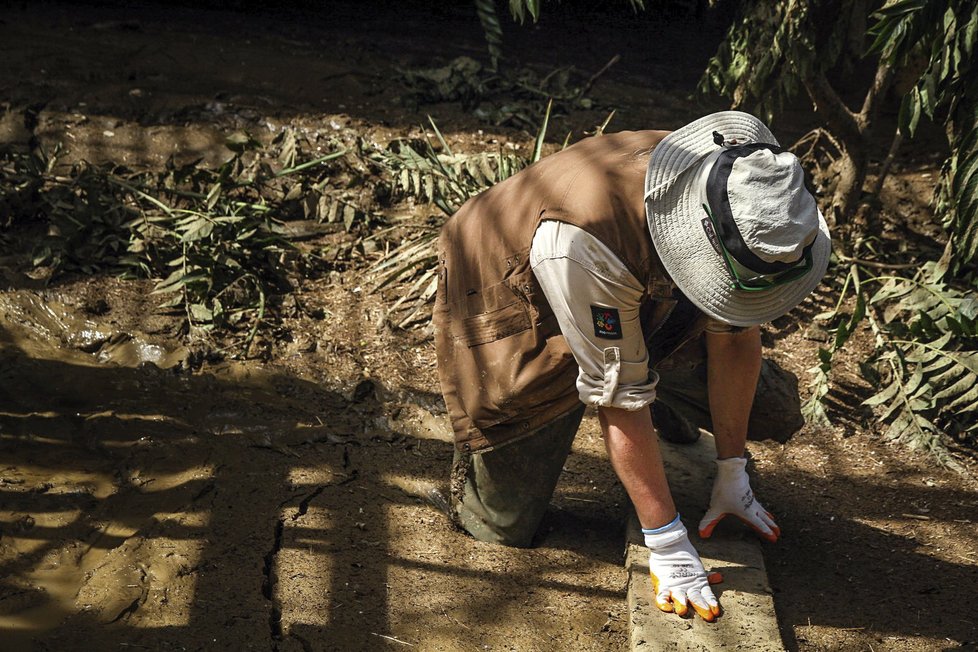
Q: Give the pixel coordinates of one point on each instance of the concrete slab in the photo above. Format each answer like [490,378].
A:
[748,621]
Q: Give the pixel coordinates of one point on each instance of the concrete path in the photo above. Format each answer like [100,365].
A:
[748,621]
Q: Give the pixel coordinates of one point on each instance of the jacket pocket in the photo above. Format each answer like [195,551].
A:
[494,312]
[510,362]
[508,379]
[494,325]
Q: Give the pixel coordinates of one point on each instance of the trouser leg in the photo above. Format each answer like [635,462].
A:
[501,496]
[775,414]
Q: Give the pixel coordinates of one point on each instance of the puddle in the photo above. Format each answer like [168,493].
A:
[32,323]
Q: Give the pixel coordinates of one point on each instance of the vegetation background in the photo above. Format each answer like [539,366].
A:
[215,187]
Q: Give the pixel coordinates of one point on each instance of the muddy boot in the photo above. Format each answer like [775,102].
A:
[671,426]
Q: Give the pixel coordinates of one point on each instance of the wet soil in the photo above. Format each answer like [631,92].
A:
[293,502]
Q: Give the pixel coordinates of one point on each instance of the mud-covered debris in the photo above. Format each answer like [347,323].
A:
[96,308]
[365,390]
[817,334]
[414,420]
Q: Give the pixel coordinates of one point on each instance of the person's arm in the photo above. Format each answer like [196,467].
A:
[633,449]
[583,281]
[596,301]
[733,366]
[678,576]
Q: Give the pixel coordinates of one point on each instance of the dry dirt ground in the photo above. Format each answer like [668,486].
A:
[291,503]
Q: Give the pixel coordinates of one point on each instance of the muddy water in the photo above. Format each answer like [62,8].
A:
[45,327]
[243,507]
[110,463]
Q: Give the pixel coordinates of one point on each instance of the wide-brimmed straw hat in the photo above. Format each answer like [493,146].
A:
[732,220]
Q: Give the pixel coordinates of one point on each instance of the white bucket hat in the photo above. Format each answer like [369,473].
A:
[732,221]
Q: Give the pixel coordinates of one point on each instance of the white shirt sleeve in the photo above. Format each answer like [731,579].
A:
[577,272]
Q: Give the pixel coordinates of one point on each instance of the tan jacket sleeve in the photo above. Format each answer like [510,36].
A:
[580,276]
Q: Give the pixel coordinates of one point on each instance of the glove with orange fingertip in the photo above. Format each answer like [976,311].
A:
[678,576]
[732,496]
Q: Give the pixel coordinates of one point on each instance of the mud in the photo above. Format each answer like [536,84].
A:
[245,507]
[153,498]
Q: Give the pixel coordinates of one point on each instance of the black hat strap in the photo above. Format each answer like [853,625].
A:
[719,200]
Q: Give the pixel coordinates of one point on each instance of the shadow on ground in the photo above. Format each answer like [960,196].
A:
[248,508]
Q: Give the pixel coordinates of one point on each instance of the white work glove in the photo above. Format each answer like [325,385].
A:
[732,495]
[677,573]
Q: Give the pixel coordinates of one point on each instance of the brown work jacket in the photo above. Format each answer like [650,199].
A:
[504,367]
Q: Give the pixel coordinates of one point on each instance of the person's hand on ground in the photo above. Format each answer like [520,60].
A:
[732,495]
[677,573]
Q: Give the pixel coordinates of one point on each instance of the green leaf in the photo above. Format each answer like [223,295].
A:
[882,397]
[171,284]
[896,406]
[968,360]
[824,356]
[213,195]
[965,410]
[541,134]
[966,176]
[962,392]
[201,312]
[916,378]
[910,112]
[198,229]
[938,363]
[898,427]
[172,302]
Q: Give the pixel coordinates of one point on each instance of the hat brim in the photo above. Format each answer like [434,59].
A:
[674,209]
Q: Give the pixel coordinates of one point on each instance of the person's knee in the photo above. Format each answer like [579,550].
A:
[500,496]
[498,529]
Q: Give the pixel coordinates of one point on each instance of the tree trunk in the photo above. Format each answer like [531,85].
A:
[851,174]
[852,130]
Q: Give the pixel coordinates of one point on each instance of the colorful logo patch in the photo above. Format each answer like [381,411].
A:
[607,324]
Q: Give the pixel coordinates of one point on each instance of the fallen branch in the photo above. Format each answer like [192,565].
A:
[593,78]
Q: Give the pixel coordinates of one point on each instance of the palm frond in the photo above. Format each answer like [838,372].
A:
[928,372]
[446,179]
